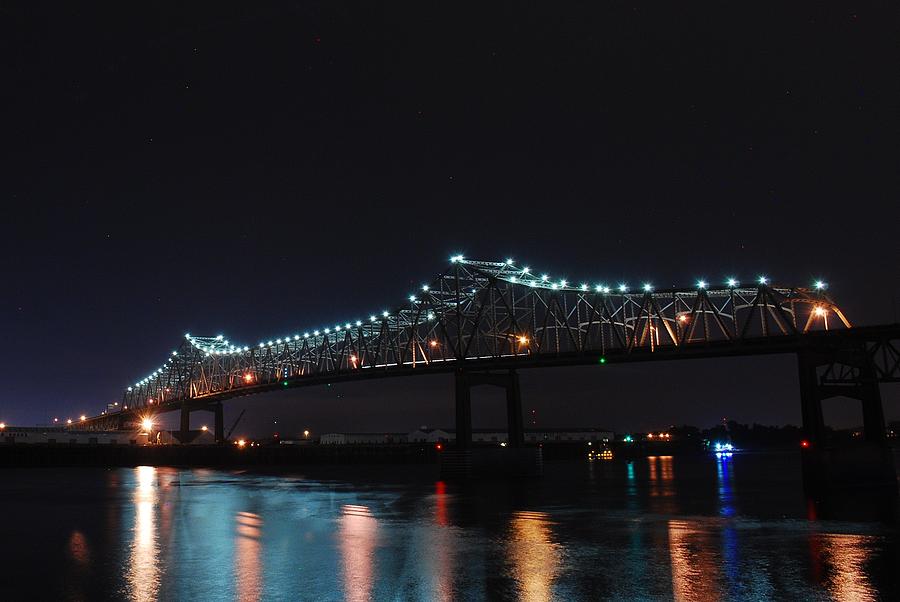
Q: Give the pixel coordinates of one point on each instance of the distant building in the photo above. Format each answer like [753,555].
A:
[362,438]
[60,436]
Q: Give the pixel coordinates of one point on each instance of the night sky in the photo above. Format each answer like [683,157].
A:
[260,171]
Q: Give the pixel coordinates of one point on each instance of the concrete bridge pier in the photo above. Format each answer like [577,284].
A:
[514,459]
[830,466]
[465,380]
[219,421]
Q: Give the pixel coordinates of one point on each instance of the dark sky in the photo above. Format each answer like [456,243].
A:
[253,171]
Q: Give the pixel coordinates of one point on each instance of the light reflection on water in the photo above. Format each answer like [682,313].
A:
[650,528]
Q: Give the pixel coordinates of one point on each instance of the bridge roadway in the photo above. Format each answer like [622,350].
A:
[484,321]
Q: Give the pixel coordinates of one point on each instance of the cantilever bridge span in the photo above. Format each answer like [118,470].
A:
[483,320]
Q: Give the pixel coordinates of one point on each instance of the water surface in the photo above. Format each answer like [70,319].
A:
[663,527]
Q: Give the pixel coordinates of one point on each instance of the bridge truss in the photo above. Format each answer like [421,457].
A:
[490,314]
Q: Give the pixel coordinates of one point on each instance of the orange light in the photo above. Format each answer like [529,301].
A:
[682,318]
[150,401]
[147,424]
[241,443]
[523,340]
[83,418]
[204,428]
[650,435]
[820,311]
[2,425]
[433,343]
[248,378]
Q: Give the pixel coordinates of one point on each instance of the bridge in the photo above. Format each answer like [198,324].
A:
[484,320]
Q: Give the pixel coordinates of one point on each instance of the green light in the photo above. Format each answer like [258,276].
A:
[602,360]
[627,439]
[285,383]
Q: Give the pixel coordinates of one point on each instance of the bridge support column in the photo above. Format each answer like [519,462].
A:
[515,430]
[219,423]
[828,466]
[185,431]
[463,410]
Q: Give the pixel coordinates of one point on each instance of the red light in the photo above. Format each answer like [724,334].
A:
[438,447]
[804,443]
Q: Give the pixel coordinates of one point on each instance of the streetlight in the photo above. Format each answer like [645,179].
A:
[147,424]
[306,434]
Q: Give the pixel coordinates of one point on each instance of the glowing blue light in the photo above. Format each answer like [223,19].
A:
[270,343]
[261,345]
[424,287]
[384,314]
[606,289]
[763,280]
[526,270]
[545,277]
[359,322]
[412,298]
[296,337]
[732,282]
[701,284]
[820,285]
[623,288]
[327,330]
[305,335]
[315,333]
[456,258]
[563,283]
[372,318]
[648,287]
[347,326]
[509,261]
[512,279]
[584,287]
[554,286]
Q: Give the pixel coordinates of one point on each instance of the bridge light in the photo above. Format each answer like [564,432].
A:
[2,425]
[554,286]
[204,428]
[648,287]
[512,279]
[246,349]
[372,318]
[147,424]
[584,287]
[763,280]
[820,311]
[82,417]
[433,343]
[430,316]
[241,443]
[623,288]
[305,335]
[315,333]
[523,340]
[545,277]
[563,283]
[248,378]
[526,270]
[682,318]
[270,343]
[347,326]
[337,328]
[129,388]
[599,288]
[820,285]
[359,323]
[732,282]
[278,341]
[296,337]
[384,314]
[509,261]
[327,330]
[425,287]
[606,289]
[68,421]
[219,337]
[701,284]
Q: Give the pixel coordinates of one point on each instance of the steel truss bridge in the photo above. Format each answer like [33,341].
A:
[484,320]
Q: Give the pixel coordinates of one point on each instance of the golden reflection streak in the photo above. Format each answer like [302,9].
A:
[535,558]
[143,575]
[846,556]
[247,570]
[357,532]
[695,562]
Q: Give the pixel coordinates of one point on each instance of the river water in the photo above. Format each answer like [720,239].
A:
[686,528]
